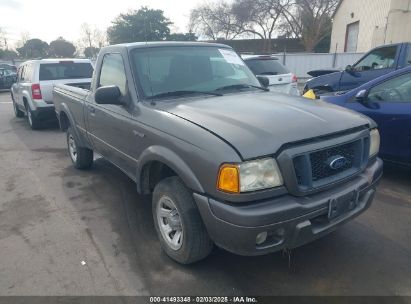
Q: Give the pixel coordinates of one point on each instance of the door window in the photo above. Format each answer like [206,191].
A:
[26,74]
[20,73]
[397,89]
[381,58]
[113,73]
[409,55]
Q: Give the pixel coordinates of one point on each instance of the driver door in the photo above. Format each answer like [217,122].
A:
[389,104]
[109,125]
[378,62]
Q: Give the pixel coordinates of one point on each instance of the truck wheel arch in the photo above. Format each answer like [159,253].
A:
[171,163]
[65,120]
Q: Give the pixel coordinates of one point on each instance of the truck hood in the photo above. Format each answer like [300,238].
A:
[258,124]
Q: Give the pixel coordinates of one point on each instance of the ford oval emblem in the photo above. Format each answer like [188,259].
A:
[337,162]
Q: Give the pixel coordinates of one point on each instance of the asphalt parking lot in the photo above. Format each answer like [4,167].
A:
[69,232]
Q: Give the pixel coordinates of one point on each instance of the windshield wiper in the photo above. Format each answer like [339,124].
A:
[268,73]
[241,86]
[182,93]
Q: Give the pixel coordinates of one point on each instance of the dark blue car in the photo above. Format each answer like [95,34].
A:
[379,61]
[387,100]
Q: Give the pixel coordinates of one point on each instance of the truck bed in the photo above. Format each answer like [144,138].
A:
[66,95]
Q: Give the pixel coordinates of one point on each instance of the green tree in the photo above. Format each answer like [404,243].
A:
[33,48]
[8,54]
[91,52]
[182,37]
[61,48]
[139,25]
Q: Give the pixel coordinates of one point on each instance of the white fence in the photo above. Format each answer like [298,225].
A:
[301,63]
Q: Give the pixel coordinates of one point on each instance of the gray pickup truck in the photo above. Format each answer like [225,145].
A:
[225,161]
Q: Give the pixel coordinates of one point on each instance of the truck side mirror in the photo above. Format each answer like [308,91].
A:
[264,81]
[108,95]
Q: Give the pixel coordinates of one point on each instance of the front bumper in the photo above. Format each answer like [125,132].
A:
[289,221]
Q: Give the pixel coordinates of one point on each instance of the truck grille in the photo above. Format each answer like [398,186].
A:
[320,168]
[314,168]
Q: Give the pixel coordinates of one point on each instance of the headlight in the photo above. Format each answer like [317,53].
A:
[374,142]
[249,176]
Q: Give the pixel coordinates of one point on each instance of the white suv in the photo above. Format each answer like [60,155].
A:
[32,94]
[281,79]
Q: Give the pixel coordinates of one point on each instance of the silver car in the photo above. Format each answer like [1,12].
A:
[32,94]
[281,79]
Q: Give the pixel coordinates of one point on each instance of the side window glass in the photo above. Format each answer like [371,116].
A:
[408,60]
[397,89]
[22,73]
[27,76]
[113,73]
[382,58]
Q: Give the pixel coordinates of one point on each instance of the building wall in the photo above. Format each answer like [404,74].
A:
[399,22]
[372,15]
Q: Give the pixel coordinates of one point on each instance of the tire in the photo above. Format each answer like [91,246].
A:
[17,112]
[33,121]
[195,244]
[82,158]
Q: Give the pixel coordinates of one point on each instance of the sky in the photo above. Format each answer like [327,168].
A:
[49,19]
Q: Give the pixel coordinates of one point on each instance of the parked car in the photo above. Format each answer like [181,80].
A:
[10,67]
[379,61]
[7,78]
[281,79]
[226,161]
[32,94]
[387,100]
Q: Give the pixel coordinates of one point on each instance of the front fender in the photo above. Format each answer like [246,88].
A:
[172,160]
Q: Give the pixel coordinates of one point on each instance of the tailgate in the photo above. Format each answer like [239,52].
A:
[279,79]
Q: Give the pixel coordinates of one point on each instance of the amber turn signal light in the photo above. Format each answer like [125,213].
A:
[229,179]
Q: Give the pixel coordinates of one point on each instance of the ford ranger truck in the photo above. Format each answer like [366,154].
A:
[226,162]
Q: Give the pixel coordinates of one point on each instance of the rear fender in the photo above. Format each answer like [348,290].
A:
[79,139]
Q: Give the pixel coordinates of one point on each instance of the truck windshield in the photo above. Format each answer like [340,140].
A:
[164,70]
[65,70]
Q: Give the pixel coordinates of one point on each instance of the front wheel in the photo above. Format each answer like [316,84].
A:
[178,223]
[82,158]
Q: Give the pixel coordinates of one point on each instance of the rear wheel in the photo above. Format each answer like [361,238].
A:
[32,119]
[19,113]
[82,158]
[179,226]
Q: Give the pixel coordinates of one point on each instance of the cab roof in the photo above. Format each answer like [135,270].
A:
[135,45]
